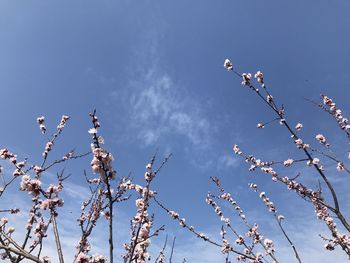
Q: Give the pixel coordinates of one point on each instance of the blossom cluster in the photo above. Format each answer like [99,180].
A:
[32,186]
[332,108]
[141,224]
[102,159]
[267,202]
[314,196]
[228,65]
[102,164]
[63,121]
[84,258]
[226,247]
[7,155]
[41,121]
[252,232]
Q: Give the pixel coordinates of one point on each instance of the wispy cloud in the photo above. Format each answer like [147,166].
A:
[76,192]
[310,246]
[160,108]
[196,250]
[228,161]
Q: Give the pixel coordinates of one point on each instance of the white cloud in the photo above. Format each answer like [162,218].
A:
[228,161]
[160,108]
[197,250]
[309,245]
[76,192]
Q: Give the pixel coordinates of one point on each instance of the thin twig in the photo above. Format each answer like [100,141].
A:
[57,237]
[172,250]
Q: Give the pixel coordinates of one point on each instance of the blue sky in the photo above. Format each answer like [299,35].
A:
[154,72]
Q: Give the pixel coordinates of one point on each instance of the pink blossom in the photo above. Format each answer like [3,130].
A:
[92,131]
[321,138]
[63,121]
[173,214]
[82,258]
[340,167]
[269,98]
[40,120]
[298,142]
[288,162]
[315,161]
[228,65]
[259,77]
[45,204]
[236,149]
[246,78]
[299,126]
